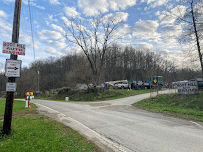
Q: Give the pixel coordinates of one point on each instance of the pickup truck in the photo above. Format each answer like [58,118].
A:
[122,84]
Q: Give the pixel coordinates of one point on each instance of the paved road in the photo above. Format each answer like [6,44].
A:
[119,126]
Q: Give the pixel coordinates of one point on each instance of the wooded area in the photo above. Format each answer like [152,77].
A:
[119,64]
[102,60]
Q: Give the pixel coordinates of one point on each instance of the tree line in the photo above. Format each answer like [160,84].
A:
[119,64]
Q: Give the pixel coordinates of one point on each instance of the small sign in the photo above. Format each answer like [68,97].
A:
[13,68]
[13,48]
[11,86]
[190,87]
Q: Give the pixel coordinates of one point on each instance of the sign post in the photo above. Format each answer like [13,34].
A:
[13,56]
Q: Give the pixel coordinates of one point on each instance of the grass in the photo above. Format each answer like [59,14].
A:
[184,106]
[106,95]
[34,132]
[84,96]
[17,106]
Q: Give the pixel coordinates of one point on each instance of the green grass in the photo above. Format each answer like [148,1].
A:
[106,95]
[17,106]
[84,96]
[38,133]
[35,132]
[185,106]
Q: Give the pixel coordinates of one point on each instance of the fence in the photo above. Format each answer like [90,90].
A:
[157,89]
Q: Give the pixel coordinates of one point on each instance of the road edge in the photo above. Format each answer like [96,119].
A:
[104,143]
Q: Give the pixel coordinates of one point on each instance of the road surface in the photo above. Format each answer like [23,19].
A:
[116,125]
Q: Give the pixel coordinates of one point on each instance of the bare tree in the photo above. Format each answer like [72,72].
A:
[188,14]
[80,73]
[94,36]
[27,82]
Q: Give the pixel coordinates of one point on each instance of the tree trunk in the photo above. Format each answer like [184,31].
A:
[197,38]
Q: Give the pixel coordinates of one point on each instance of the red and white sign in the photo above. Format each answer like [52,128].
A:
[13,68]
[13,48]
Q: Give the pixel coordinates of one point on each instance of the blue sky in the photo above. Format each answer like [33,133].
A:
[144,23]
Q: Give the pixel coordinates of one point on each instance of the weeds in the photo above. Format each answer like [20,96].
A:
[185,106]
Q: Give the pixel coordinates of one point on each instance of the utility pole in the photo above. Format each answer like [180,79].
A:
[10,95]
[38,79]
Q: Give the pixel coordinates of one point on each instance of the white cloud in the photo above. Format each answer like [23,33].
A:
[157,13]
[155,3]
[121,16]
[121,4]
[56,44]
[26,3]
[47,34]
[25,39]
[123,31]
[144,45]
[53,51]
[73,49]
[94,7]
[55,2]
[37,45]
[50,17]
[71,11]
[165,19]
[8,1]
[47,22]
[170,17]
[66,21]
[117,17]
[146,29]
[159,3]
[58,28]
[40,7]
[5,26]
[165,51]
[5,34]
[3,14]
[199,7]
[148,26]
[171,30]
[170,42]
[31,2]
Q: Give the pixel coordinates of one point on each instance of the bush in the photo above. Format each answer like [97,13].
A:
[66,91]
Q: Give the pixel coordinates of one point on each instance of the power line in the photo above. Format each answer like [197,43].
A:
[31,28]
[24,20]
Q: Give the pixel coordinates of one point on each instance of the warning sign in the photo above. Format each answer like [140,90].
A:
[13,48]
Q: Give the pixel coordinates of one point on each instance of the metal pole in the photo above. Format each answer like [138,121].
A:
[157,84]
[10,95]
[38,80]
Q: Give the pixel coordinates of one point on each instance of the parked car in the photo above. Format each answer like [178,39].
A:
[122,84]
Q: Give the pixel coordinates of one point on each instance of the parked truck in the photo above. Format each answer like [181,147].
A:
[153,80]
[199,82]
